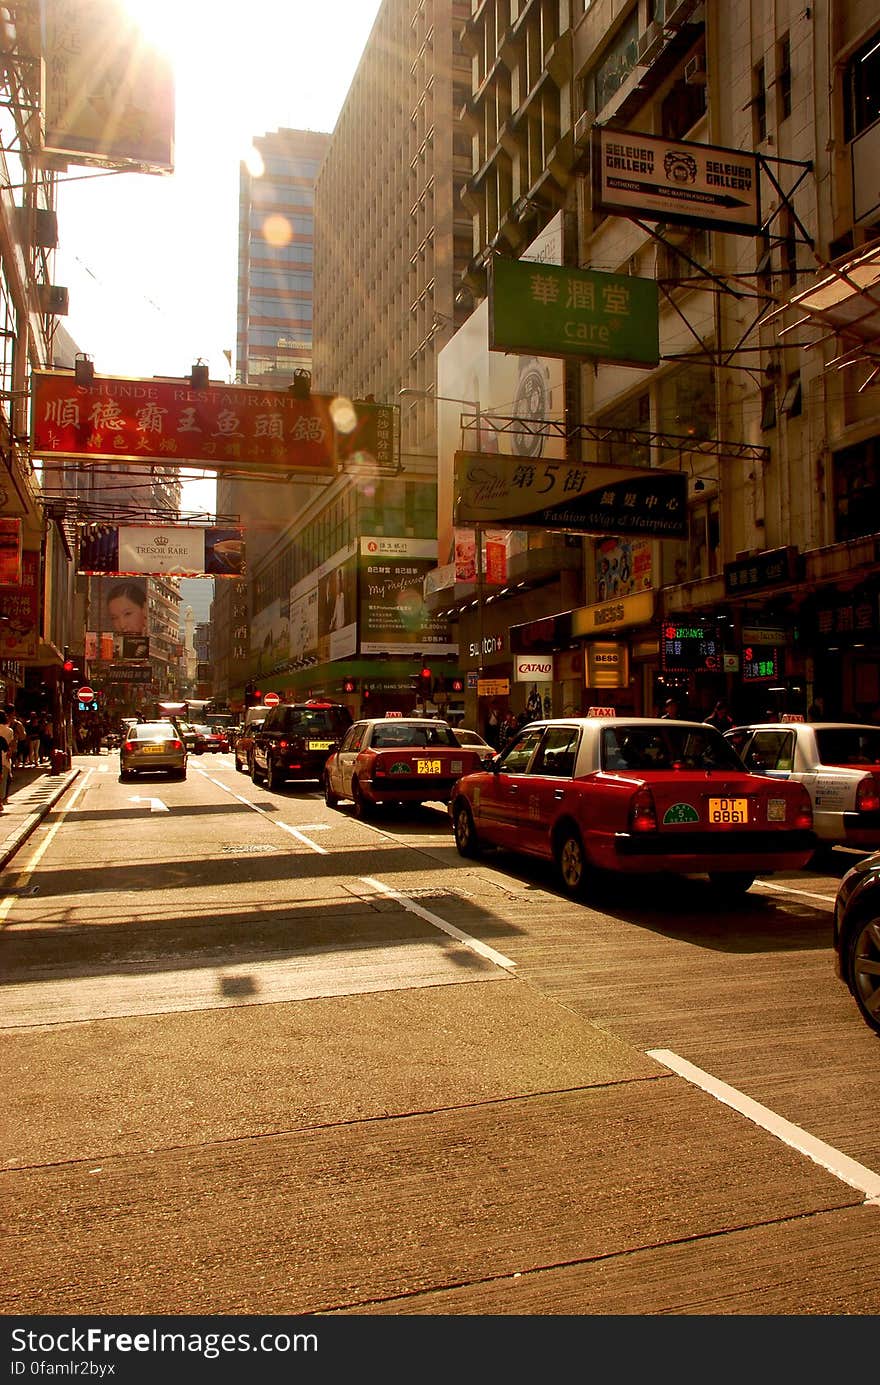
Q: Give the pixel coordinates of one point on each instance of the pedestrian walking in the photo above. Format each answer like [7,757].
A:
[7,741]
[47,740]
[33,739]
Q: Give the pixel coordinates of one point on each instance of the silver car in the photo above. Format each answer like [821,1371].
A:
[152,747]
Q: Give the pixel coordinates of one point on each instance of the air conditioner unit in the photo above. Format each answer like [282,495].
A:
[53,300]
[650,44]
[583,128]
[695,71]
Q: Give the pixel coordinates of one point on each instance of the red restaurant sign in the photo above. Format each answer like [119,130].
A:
[226,427]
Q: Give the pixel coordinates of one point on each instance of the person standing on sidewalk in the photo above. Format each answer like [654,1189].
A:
[20,751]
[7,741]
[33,738]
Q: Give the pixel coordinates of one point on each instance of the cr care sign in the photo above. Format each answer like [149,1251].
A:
[533,668]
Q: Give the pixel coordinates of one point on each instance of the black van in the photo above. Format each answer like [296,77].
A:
[295,740]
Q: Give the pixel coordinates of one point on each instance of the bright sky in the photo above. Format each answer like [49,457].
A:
[151,261]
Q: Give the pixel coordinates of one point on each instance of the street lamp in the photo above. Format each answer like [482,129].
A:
[474,404]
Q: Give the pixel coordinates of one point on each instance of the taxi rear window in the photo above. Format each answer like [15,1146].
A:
[676,747]
[845,745]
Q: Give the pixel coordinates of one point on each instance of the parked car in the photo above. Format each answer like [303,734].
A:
[150,747]
[464,736]
[838,764]
[295,740]
[396,760]
[633,795]
[857,936]
[244,745]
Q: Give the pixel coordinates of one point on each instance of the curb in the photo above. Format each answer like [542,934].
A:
[21,834]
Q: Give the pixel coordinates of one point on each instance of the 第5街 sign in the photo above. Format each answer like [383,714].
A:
[551,310]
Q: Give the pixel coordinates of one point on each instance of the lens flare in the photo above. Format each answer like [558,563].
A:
[343,414]
[277,230]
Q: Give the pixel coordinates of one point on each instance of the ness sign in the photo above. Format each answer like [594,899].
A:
[550,310]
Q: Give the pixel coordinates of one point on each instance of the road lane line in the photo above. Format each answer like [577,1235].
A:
[24,875]
[282,826]
[864,1180]
[788,889]
[413,908]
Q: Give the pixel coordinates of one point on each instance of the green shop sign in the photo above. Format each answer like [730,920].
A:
[549,310]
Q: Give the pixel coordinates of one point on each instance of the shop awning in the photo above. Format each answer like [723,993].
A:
[844,302]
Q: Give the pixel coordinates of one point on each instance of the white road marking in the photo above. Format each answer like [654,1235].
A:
[789,889]
[156,804]
[282,826]
[412,907]
[864,1180]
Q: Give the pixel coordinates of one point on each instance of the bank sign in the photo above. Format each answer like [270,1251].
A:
[551,310]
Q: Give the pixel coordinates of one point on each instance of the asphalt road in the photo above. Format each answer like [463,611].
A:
[261,1057]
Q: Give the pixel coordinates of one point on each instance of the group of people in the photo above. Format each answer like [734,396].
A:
[27,741]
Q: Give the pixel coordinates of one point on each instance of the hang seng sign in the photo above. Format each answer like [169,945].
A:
[516,493]
[549,310]
[224,427]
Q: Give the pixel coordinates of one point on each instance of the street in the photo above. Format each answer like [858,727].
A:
[266,1058]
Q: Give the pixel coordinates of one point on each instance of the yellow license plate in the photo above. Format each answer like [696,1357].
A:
[729,810]
[320,745]
[427,766]
[152,749]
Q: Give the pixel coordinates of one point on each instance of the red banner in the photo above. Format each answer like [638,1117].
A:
[225,427]
[19,612]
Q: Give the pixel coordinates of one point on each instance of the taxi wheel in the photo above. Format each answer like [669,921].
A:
[330,798]
[863,970]
[734,882]
[464,830]
[571,862]
[362,807]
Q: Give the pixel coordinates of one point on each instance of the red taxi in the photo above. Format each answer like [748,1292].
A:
[396,760]
[633,795]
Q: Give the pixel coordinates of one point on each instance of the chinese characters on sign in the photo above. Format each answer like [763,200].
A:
[548,310]
[581,498]
[760,663]
[688,647]
[763,570]
[223,426]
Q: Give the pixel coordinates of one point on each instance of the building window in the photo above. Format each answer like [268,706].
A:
[681,108]
[857,490]
[783,76]
[634,413]
[759,103]
[791,400]
[862,88]
[768,408]
[616,65]
[704,525]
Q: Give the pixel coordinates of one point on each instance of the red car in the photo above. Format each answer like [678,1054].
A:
[396,760]
[633,795]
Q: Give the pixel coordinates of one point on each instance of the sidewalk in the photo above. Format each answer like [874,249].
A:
[32,793]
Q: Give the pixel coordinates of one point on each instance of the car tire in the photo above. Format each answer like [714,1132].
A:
[862,969]
[571,862]
[274,776]
[731,882]
[330,798]
[256,774]
[363,809]
[464,831]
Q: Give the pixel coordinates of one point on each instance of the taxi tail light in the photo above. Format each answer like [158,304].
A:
[643,812]
[176,745]
[128,745]
[803,816]
[867,795]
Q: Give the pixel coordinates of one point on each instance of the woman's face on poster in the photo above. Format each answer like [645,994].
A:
[126,616]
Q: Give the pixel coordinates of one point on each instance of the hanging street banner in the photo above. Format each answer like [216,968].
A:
[550,310]
[108,95]
[658,179]
[221,427]
[571,497]
[167,550]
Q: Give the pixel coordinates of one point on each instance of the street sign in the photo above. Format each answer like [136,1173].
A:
[85,694]
[271,700]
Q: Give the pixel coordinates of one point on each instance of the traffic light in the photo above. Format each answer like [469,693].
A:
[253,696]
[425,682]
[349,685]
[71,672]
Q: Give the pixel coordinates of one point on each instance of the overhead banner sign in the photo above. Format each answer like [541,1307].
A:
[222,427]
[571,497]
[676,180]
[169,550]
[108,96]
[550,310]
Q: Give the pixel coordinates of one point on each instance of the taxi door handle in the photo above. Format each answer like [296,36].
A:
[558,793]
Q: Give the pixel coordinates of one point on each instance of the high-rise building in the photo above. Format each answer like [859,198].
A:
[276,248]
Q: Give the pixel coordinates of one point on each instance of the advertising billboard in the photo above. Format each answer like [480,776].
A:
[119,607]
[393,616]
[19,611]
[168,550]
